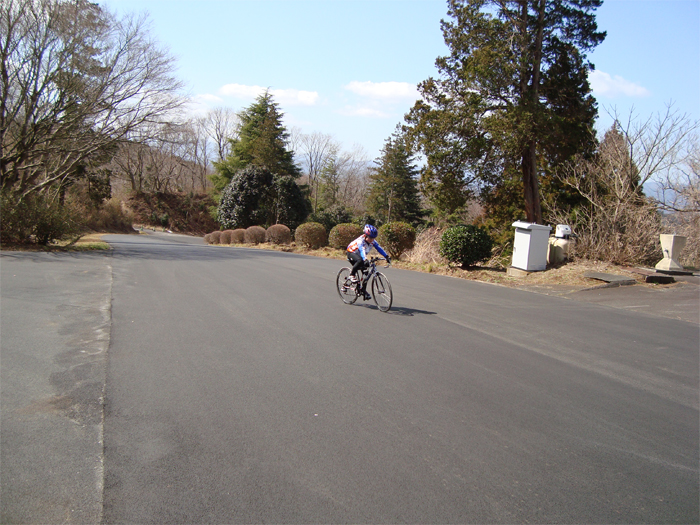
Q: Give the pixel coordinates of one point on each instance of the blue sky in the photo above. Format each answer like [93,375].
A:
[348,68]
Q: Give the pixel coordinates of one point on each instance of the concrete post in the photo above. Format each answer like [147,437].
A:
[671,246]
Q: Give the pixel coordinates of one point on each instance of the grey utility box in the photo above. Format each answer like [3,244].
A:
[530,247]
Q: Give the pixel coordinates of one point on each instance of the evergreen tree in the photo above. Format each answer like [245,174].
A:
[616,161]
[261,142]
[393,192]
[513,97]
[258,178]
[291,204]
[247,199]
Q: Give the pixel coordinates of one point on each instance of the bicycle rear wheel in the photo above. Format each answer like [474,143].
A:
[346,289]
[381,292]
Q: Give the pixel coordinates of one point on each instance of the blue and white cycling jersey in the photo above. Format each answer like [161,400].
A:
[360,244]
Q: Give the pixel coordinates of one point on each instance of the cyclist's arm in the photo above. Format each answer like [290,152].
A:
[379,249]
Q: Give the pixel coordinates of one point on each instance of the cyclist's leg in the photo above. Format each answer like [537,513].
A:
[346,291]
[356,260]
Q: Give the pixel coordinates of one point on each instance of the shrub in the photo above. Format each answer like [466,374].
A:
[225,237]
[36,218]
[688,225]
[278,234]
[466,245]
[215,237]
[397,238]
[343,234]
[311,234]
[238,236]
[626,234]
[329,218]
[254,235]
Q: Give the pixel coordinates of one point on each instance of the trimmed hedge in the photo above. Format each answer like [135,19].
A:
[278,234]
[254,235]
[311,234]
[238,236]
[343,234]
[226,237]
[466,245]
[215,237]
[397,238]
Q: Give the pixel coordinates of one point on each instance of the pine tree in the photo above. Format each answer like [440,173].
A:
[513,97]
[261,142]
[393,193]
[258,178]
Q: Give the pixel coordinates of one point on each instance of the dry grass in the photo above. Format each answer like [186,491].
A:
[426,249]
[85,243]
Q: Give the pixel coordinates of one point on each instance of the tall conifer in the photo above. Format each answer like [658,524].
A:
[393,193]
[262,142]
[512,98]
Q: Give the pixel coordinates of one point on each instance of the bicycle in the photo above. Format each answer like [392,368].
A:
[381,289]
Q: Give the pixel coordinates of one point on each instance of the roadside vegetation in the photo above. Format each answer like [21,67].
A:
[425,257]
[504,132]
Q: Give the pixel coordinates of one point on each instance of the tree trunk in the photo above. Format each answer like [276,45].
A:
[531,188]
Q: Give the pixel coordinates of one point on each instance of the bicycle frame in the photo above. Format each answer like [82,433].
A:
[381,289]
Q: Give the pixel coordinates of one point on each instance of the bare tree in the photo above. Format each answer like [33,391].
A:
[679,189]
[199,156]
[129,164]
[679,198]
[293,139]
[75,81]
[660,146]
[222,125]
[172,158]
[314,151]
[620,222]
[353,184]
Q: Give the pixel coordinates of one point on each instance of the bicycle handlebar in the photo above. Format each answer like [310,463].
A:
[375,259]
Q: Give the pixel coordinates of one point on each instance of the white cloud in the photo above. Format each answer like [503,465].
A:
[285,97]
[363,111]
[294,97]
[206,97]
[384,90]
[605,85]
[241,91]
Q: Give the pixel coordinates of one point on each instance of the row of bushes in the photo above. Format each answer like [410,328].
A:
[465,245]
[275,234]
[396,237]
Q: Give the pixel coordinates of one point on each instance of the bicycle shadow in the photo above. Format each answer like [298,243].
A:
[399,310]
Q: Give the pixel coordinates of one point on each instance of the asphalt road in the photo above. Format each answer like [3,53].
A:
[238,388]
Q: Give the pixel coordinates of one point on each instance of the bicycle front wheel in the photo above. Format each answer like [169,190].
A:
[345,287]
[381,292]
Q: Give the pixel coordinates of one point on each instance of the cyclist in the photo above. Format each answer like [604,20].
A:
[357,254]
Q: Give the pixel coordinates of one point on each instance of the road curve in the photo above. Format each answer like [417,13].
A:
[241,389]
[173,382]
